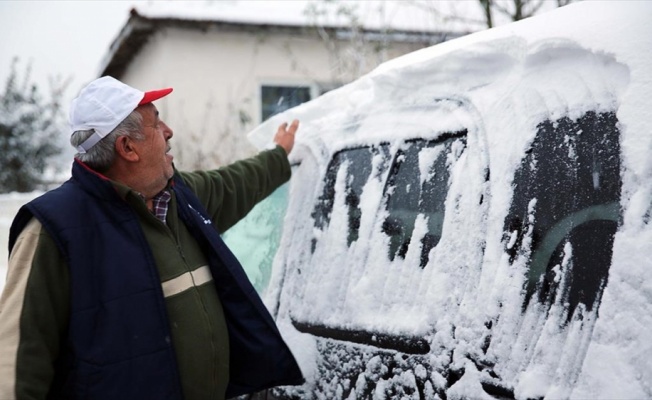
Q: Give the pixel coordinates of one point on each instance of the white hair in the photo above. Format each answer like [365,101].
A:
[100,157]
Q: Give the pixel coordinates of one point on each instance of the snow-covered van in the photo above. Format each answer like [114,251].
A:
[472,221]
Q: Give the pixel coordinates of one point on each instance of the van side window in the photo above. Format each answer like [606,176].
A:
[565,210]
[418,185]
[358,165]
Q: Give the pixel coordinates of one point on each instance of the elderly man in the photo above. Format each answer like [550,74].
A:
[119,285]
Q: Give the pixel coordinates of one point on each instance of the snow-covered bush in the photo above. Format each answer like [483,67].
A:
[29,124]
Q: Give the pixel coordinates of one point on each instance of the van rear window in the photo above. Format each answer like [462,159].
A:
[565,210]
[418,186]
[356,166]
[383,195]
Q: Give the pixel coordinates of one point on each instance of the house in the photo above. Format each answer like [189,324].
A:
[233,64]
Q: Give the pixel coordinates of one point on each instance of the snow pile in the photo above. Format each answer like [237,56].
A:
[498,90]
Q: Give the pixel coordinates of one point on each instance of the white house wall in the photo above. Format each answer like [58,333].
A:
[216,76]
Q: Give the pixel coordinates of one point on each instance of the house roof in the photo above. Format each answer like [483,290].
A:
[415,15]
[376,20]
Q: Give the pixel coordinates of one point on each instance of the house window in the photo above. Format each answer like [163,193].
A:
[276,99]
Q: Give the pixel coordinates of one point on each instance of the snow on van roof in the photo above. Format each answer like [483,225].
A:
[617,28]
[501,84]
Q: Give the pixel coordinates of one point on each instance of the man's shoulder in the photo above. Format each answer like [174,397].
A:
[65,190]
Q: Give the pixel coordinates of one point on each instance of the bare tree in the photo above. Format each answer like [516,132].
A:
[355,48]
[486,8]
[516,10]
[348,49]
[325,11]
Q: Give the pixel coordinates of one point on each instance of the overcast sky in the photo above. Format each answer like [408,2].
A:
[59,38]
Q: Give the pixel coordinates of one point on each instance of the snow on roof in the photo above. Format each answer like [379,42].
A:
[396,21]
[420,16]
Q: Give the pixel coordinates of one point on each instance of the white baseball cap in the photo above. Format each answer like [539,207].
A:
[103,104]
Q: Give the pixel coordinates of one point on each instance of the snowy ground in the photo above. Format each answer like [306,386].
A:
[9,205]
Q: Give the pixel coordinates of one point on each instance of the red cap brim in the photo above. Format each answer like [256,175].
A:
[154,95]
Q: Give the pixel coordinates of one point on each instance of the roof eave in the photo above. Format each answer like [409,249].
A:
[133,35]
[138,29]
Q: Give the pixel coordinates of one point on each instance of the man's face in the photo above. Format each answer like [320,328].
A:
[156,162]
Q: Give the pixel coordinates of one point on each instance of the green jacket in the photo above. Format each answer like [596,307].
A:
[34,304]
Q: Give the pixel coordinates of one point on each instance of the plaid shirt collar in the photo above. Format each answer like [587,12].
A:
[160,204]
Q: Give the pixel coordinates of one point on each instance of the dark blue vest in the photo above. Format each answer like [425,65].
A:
[119,344]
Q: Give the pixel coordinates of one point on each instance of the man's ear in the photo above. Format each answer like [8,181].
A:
[124,149]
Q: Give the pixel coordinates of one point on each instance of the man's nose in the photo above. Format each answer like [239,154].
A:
[167,130]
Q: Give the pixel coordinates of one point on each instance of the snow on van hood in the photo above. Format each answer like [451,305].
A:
[589,55]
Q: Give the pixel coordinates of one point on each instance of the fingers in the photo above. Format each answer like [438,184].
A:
[285,135]
[293,127]
[283,128]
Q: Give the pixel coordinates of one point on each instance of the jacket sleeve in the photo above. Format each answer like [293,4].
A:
[229,193]
[33,315]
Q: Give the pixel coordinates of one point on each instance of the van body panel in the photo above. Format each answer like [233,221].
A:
[472,220]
